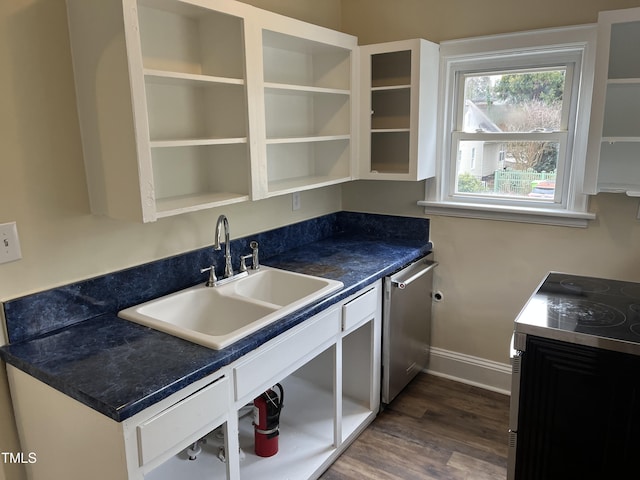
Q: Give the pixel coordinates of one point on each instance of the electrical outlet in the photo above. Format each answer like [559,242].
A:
[295,201]
[9,243]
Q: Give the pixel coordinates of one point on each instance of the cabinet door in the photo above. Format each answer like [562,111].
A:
[614,133]
[579,414]
[399,83]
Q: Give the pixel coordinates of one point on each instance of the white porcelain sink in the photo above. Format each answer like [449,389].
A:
[216,317]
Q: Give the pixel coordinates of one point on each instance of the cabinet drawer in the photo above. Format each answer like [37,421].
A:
[286,353]
[359,309]
[182,420]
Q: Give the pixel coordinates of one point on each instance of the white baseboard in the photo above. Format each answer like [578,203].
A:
[471,370]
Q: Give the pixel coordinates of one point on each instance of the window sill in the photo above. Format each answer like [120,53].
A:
[543,216]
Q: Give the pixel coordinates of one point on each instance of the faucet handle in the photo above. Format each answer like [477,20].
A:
[243,262]
[255,263]
[212,275]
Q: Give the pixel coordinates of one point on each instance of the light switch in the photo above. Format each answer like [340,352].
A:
[9,243]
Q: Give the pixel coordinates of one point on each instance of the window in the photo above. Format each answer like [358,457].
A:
[514,118]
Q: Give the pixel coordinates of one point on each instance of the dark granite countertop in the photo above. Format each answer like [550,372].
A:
[120,368]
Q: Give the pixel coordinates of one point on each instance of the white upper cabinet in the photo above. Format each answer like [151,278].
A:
[614,134]
[192,104]
[162,102]
[306,103]
[399,87]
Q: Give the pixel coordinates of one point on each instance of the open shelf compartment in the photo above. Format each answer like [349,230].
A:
[194,177]
[306,439]
[300,165]
[180,37]
[290,60]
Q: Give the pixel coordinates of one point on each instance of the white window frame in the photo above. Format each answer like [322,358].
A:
[570,46]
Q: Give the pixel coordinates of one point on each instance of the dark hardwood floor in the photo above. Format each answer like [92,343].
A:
[435,429]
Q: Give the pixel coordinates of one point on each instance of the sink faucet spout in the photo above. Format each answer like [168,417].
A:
[221,224]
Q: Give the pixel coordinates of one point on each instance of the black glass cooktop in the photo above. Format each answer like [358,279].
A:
[584,305]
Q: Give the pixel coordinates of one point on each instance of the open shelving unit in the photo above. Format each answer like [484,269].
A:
[306,432]
[308,111]
[162,101]
[196,106]
[398,113]
[187,105]
[614,137]
[313,425]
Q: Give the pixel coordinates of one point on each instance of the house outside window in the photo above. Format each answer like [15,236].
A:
[515,116]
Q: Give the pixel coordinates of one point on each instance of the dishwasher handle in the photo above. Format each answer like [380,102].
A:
[403,283]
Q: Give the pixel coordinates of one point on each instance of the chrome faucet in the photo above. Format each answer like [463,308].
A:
[224,223]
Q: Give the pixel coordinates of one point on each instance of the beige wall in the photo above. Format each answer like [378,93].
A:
[42,182]
[488,268]
[375,21]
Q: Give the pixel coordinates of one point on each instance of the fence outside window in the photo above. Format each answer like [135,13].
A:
[517,182]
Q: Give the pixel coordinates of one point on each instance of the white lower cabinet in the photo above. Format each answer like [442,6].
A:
[329,367]
[74,442]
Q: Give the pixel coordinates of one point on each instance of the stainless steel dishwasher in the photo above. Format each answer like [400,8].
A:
[406,325]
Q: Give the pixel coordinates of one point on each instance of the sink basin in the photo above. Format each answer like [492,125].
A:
[216,317]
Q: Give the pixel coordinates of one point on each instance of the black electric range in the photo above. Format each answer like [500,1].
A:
[590,311]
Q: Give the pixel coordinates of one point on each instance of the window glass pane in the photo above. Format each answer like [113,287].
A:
[514,101]
[518,169]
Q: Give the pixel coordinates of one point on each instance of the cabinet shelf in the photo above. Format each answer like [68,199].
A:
[612,140]
[389,130]
[391,87]
[311,139]
[189,203]
[623,81]
[290,185]
[617,187]
[196,142]
[284,88]
[178,78]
